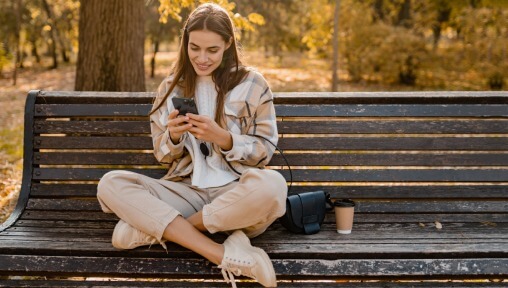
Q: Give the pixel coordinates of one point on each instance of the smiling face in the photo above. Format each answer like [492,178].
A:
[205,50]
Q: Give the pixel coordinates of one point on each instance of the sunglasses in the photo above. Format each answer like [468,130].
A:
[204,149]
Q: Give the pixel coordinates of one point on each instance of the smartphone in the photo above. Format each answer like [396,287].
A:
[185,105]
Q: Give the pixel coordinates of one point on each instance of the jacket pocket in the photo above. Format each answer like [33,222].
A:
[238,116]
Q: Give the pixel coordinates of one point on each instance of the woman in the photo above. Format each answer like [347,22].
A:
[214,183]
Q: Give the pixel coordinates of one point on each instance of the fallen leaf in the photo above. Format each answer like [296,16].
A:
[438,225]
[489,223]
[421,224]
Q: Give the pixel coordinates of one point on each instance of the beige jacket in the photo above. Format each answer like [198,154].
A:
[248,111]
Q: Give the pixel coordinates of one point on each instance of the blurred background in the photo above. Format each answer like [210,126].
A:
[299,45]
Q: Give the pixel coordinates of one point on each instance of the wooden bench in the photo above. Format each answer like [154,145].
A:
[428,170]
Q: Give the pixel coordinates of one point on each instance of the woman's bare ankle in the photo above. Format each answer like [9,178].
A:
[218,255]
[196,220]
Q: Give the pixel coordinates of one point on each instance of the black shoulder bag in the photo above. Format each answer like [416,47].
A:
[305,212]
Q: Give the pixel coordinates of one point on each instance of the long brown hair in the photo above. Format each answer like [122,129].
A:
[214,18]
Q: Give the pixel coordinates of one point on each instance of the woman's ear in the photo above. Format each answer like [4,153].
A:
[228,44]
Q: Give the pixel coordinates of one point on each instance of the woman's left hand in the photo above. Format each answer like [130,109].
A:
[206,129]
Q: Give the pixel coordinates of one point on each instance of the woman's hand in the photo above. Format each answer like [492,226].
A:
[177,125]
[206,129]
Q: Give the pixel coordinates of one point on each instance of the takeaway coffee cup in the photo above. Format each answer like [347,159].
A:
[344,212]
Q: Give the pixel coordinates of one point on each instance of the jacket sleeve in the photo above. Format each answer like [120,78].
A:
[257,121]
[163,148]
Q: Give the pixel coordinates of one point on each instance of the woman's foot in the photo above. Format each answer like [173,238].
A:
[241,258]
[127,237]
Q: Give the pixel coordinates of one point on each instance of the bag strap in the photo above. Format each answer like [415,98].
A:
[281,153]
[296,210]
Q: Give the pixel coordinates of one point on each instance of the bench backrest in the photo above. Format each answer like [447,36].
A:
[399,155]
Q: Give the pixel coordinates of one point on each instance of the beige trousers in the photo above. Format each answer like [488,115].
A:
[149,205]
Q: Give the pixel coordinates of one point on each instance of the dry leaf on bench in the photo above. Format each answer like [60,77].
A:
[489,223]
[438,225]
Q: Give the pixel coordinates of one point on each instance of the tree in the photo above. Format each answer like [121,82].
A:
[18,58]
[404,15]
[319,17]
[55,37]
[335,46]
[158,32]
[111,46]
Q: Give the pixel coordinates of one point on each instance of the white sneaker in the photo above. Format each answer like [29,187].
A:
[127,237]
[241,258]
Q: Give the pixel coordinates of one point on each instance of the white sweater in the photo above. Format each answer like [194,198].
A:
[211,171]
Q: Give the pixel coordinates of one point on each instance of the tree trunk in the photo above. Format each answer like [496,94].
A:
[379,13]
[17,4]
[55,36]
[443,15]
[111,46]
[156,43]
[152,61]
[35,52]
[335,39]
[474,3]
[404,17]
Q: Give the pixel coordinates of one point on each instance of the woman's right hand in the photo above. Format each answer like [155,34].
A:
[177,125]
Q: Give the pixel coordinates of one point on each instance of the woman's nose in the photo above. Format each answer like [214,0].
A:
[203,57]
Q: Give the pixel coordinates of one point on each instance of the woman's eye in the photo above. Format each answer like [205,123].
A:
[213,51]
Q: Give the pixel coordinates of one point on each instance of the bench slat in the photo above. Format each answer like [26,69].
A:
[362,206]
[398,175]
[416,97]
[37,224]
[310,175]
[68,215]
[88,158]
[287,110]
[389,110]
[394,127]
[344,191]
[363,233]
[319,249]
[73,142]
[444,143]
[455,221]
[92,127]
[487,218]
[391,159]
[77,110]
[91,97]
[318,268]
[297,127]
[63,190]
[215,283]
[385,230]
[300,159]
[203,283]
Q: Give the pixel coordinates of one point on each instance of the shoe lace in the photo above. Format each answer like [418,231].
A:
[233,267]
[154,240]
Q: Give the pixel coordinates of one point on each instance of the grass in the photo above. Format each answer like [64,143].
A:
[10,168]
[11,143]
